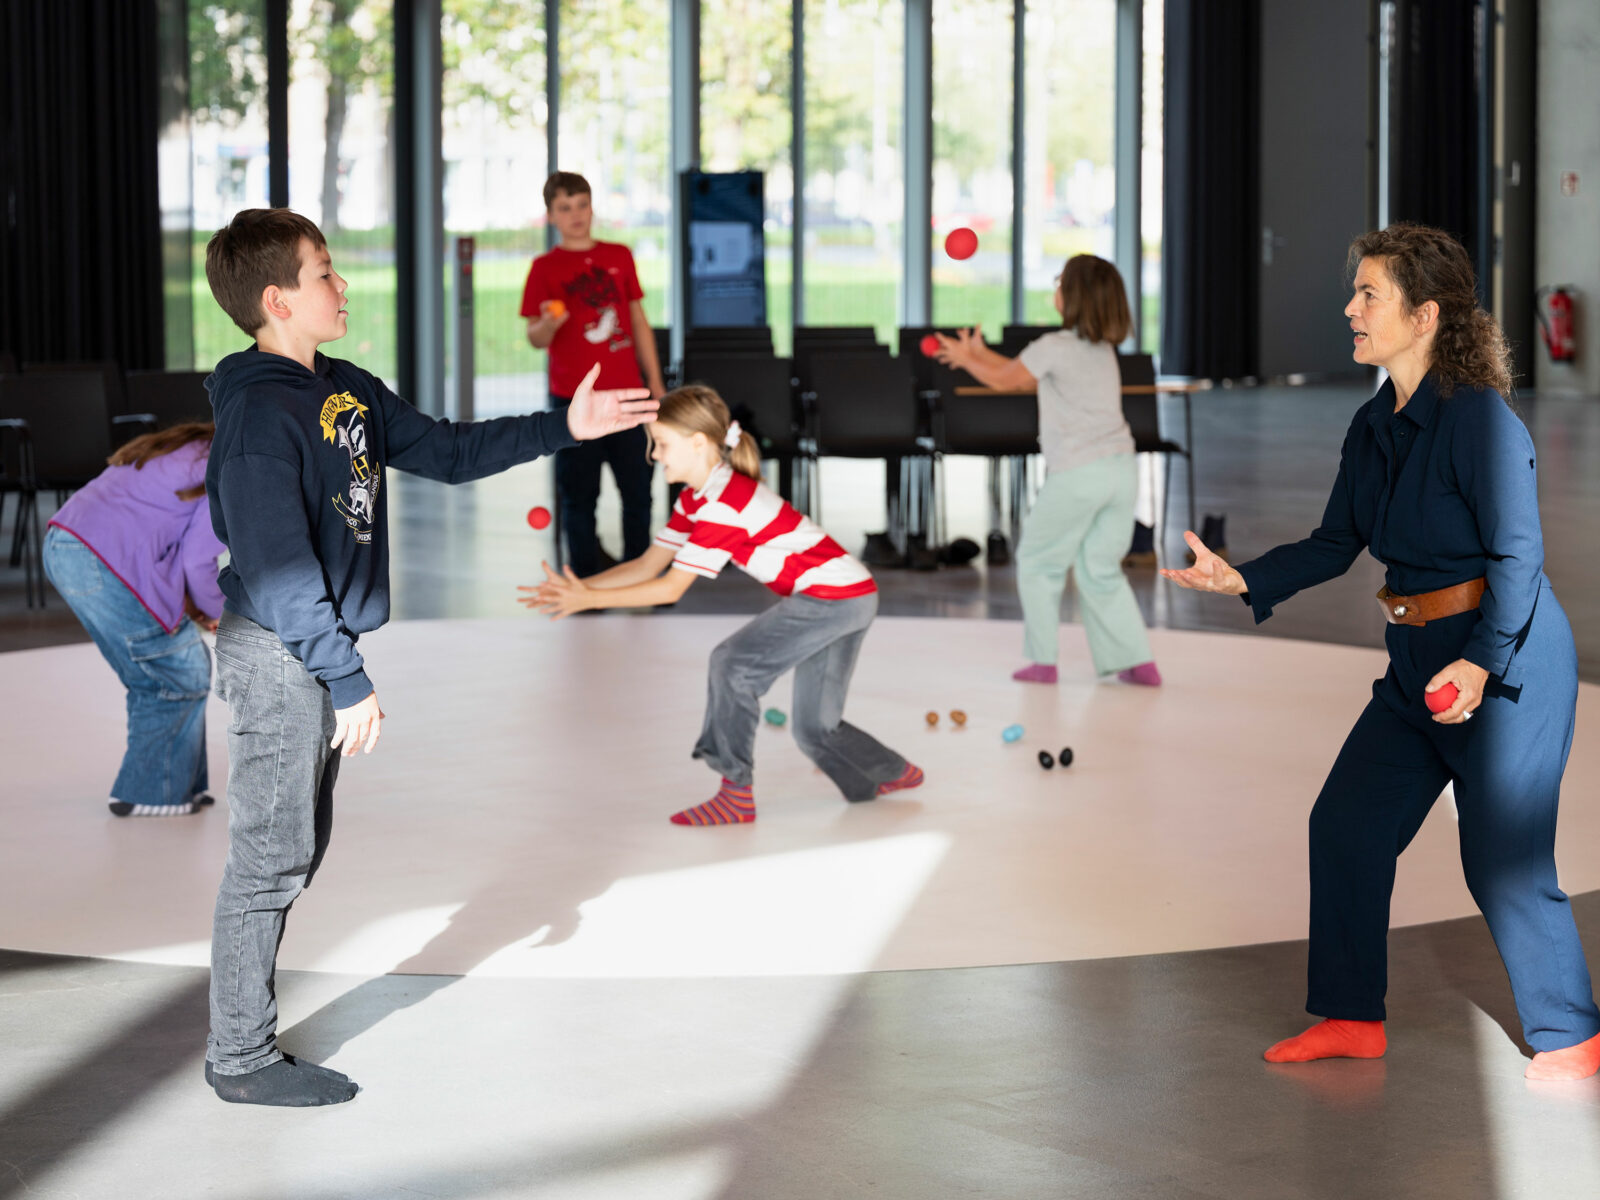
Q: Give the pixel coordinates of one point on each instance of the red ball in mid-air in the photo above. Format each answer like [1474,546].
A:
[539,516]
[1442,699]
[930,345]
[961,243]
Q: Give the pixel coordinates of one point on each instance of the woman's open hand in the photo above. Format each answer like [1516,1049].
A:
[1209,573]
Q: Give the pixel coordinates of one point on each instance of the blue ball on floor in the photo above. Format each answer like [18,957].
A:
[1012,733]
[775,716]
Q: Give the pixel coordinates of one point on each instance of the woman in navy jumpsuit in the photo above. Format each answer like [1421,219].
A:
[1437,479]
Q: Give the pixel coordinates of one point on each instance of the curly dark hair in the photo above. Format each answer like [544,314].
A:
[1469,348]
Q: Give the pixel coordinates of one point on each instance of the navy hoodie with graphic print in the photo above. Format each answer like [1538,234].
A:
[296,486]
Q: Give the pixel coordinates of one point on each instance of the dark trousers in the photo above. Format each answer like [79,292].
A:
[1505,766]
[578,486]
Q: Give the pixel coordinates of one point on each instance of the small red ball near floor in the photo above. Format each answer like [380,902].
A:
[961,243]
[539,516]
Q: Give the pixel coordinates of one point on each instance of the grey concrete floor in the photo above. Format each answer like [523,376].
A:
[1137,1077]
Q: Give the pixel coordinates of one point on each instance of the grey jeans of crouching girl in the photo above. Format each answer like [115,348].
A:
[820,640]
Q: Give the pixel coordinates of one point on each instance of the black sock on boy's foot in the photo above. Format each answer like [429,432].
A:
[288,1083]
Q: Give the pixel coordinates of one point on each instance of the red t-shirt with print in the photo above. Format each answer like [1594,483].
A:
[596,285]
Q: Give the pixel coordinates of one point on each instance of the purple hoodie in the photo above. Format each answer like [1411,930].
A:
[158,545]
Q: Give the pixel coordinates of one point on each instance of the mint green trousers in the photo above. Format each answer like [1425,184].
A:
[1081,522]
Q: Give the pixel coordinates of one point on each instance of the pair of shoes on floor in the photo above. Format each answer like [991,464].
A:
[1142,550]
[183,808]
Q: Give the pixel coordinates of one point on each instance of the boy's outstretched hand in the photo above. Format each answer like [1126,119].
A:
[357,724]
[594,414]
[560,595]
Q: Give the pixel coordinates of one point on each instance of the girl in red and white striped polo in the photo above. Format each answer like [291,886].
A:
[827,601]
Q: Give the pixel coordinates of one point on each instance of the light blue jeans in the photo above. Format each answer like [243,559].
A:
[167,675]
[1079,523]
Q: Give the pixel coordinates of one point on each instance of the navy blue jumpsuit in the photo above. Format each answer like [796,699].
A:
[1443,492]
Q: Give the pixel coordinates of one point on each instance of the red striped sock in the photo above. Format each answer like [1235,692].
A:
[909,778]
[732,805]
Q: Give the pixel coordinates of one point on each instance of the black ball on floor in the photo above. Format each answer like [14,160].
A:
[1066,756]
[1045,760]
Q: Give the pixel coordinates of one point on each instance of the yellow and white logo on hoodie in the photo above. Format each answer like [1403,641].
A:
[344,425]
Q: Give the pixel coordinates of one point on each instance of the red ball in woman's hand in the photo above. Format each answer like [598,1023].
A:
[930,345]
[1442,699]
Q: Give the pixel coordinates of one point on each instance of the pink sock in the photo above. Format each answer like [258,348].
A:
[909,778]
[1145,674]
[732,805]
[1036,673]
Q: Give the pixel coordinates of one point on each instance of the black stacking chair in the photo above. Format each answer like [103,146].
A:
[1143,411]
[739,339]
[865,406]
[1002,429]
[758,391]
[663,339]
[61,423]
[1014,338]
[122,423]
[168,397]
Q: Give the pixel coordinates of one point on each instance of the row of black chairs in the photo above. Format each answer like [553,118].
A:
[59,422]
[843,394]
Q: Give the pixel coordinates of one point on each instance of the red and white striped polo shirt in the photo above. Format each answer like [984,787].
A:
[736,517]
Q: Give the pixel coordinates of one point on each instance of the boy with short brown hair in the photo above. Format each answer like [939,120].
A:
[296,488]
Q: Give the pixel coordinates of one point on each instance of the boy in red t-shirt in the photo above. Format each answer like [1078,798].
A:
[582,303]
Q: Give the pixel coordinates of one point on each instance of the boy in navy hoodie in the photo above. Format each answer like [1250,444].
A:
[297,493]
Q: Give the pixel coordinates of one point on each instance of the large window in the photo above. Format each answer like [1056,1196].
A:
[614,129]
[746,92]
[228,168]
[341,158]
[495,120]
[854,178]
[1071,186]
[1150,172]
[972,57]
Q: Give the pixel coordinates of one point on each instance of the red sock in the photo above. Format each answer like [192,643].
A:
[1573,1062]
[1332,1039]
[732,805]
[909,778]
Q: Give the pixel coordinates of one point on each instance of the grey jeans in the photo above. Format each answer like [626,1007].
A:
[280,801]
[820,639]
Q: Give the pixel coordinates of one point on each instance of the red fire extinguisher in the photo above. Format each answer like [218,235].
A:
[1558,330]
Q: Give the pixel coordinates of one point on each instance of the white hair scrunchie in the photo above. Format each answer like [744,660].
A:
[731,438]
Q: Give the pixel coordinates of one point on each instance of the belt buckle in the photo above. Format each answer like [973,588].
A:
[1397,610]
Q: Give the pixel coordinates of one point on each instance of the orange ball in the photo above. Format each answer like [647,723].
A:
[555,308]
[932,718]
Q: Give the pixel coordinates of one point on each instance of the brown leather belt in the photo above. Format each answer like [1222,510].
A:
[1430,606]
